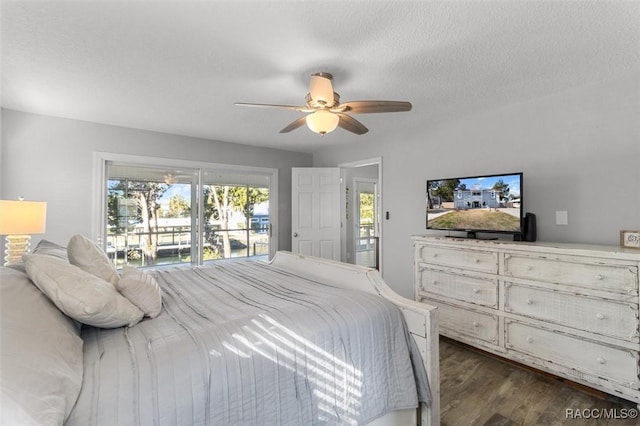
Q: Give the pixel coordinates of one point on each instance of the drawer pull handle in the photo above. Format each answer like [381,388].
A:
[599,277]
[476,260]
[435,255]
[601,360]
[475,290]
[529,302]
[529,267]
[530,339]
[600,316]
[435,282]
[474,324]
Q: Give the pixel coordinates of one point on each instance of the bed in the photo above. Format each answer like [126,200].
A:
[297,340]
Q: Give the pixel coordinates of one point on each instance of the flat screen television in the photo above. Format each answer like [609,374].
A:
[486,203]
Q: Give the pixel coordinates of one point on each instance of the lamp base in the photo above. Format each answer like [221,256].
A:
[15,247]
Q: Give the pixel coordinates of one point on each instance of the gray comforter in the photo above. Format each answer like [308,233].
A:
[248,343]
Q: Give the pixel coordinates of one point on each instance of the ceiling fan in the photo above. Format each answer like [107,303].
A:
[177,176]
[326,113]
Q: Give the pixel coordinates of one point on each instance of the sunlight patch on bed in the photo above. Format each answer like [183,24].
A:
[235,350]
[336,385]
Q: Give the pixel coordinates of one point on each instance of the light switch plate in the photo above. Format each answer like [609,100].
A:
[562,218]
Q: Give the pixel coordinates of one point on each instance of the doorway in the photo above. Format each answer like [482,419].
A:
[366,223]
[361,206]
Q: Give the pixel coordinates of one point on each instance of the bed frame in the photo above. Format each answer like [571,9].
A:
[420,318]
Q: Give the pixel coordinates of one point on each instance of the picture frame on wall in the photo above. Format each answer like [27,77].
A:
[630,239]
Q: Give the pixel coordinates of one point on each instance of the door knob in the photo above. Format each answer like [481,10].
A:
[295,234]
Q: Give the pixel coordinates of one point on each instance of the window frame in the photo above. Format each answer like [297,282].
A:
[99,206]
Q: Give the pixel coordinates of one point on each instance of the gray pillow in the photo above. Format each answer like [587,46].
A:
[51,249]
[41,355]
[47,248]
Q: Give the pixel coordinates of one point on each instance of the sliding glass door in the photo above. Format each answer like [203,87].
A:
[159,216]
[236,215]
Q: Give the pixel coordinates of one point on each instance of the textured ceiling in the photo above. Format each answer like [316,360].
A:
[178,66]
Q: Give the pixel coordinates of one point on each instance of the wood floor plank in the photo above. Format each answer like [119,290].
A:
[484,390]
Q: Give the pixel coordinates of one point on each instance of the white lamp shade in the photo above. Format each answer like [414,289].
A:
[22,217]
[322,121]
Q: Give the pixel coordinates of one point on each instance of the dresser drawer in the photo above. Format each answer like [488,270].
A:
[480,291]
[614,319]
[464,321]
[573,271]
[583,356]
[475,260]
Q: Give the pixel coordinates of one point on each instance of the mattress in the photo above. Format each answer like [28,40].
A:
[249,343]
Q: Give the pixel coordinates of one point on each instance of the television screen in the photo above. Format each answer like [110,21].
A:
[490,203]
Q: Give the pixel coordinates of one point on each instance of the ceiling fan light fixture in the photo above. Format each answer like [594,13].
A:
[322,121]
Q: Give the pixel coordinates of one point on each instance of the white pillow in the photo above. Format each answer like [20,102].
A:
[79,294]
[86,255]
[41,355]
[142,290]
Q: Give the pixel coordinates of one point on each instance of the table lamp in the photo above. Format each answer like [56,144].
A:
[18,220]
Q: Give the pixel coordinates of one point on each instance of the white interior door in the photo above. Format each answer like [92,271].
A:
[315,211]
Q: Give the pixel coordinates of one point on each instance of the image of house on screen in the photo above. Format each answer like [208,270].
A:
[476,198]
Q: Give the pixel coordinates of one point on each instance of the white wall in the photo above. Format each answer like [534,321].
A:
[50,159]
[579,151]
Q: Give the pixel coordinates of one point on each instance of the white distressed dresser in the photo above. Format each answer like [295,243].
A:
[568,309]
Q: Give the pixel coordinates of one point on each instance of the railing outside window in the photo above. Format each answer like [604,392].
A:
[367,250]
[174,245]
[156,216]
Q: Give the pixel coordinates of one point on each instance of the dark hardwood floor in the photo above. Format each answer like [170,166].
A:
[479,389]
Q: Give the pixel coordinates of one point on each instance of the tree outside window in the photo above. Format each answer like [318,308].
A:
[149,221]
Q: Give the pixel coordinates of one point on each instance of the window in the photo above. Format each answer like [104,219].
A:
[366,243]
[182,212]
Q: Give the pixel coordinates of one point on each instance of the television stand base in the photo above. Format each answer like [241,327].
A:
[472,235]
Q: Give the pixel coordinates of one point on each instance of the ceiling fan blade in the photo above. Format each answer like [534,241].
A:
[292,107]
[364,107]
[294,125]
[321,89]
[351,124]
